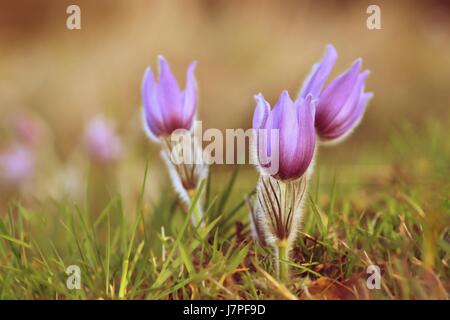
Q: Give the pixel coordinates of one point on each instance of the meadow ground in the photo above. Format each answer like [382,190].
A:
[395,216]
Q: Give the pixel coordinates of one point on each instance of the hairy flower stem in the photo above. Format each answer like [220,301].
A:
[283,267]
[282,261]
[186,171]
[280,213]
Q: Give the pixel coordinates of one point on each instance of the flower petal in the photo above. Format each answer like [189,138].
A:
[306,143]
[352,102]
[151,107]
[336,95]
[169,96]
[319,73]
[286,121]
[190,96]
[279,109]
[353,121]
[261,113]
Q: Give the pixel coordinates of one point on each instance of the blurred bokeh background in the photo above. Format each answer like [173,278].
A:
[53,81]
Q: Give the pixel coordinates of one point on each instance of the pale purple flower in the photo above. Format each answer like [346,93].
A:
[102,142]
[17,165]
[319,74]
[169,112]
[342,103]
[294,121]
[166,107]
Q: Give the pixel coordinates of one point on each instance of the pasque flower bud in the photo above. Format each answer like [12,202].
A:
[280,192]
[293,121]
[168,114]
[342,103]
[166,107]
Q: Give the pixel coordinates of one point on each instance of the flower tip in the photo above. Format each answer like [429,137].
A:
[161,58]
[309,97]
[331,50]
[310,102]
[363,75]
[192,66]
[258,97]
[369,95]
[357,64]
[147,73]
[191,70]
[284,95]
[163,64]
[148,79]
[285,98]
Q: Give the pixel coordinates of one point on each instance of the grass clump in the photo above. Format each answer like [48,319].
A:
[395,216]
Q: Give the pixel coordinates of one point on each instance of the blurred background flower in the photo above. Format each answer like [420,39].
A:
[29,129]
[17,166]
[102,142]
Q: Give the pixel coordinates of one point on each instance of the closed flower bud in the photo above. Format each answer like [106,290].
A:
[165,107]
[168,118]
[294,149]
[342,103]
[280,192]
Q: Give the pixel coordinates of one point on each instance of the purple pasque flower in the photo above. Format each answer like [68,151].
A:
[166,107]
[17,165]
[102,142]
[342,103]
[294,123]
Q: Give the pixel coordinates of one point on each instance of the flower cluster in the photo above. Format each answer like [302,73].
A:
[285,140]
[324,114]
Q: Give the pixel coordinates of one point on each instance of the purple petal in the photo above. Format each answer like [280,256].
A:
[306,143]
[279,109]
[169,97]
[261,130]
[264,142]
[355,118]
[286,121]
[348,109]
[260,117]
[319,73]
[261,113]
[190,96]
[336,95]
[152,110]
